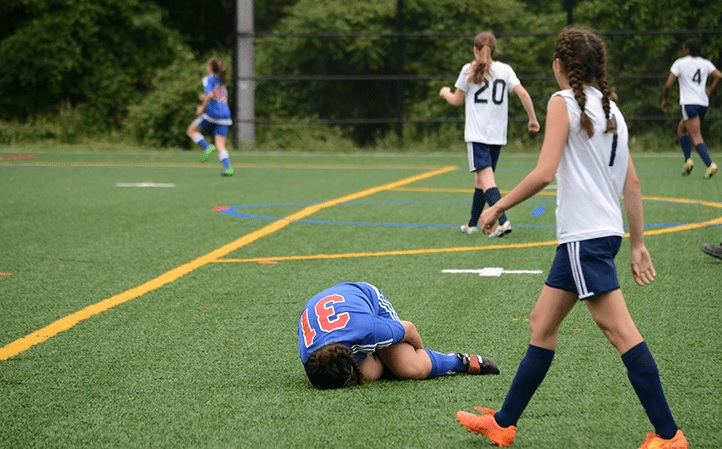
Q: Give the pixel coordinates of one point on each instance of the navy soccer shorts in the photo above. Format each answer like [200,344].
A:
[586,267]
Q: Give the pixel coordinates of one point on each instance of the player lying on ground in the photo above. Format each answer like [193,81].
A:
[351,333]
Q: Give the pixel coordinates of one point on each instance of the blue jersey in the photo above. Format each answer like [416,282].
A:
[217,110]
[354,314]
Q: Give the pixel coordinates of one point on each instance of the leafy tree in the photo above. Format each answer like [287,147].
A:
[644,56]
[99,55]
[374,53]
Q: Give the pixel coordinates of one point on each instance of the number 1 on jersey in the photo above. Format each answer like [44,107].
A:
[327,318]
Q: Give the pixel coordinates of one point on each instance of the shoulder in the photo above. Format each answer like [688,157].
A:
[501,66]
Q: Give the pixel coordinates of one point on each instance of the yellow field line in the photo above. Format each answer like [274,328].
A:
[16,347]
[402,252]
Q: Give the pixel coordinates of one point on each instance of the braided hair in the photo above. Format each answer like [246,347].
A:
[584,57]
[332,366]
[485,43]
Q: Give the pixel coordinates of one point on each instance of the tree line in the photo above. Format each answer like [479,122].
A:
[135,65]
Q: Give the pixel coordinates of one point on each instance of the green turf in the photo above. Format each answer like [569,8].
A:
[210,360]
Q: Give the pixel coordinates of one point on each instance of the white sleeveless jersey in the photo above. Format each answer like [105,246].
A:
[487,104]
[692,72]
[591,173]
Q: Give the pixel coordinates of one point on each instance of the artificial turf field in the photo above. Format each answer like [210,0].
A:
[145,301]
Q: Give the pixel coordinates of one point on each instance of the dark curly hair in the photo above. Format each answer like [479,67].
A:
[584,57]
[332,366]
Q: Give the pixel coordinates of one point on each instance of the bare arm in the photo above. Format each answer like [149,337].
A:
[642,268]
[454,99]
[717,76]
[526,101]
[412,336]
[204,98]
[555,136]
[667,89]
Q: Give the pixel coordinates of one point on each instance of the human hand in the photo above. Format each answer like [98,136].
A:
[446,90]
[199,110]
[533,126]
[488,218]
[642,269]
[665,103]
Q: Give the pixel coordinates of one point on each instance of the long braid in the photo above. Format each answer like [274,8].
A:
[606,92]
[575,74]
[584,58]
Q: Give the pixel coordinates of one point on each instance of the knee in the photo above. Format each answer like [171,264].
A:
[541,333]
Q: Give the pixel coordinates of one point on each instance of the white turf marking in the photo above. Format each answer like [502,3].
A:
[143,184]
[492,272]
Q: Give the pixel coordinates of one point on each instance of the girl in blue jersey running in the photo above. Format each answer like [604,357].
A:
[586,149]
[213,115]
[351,333]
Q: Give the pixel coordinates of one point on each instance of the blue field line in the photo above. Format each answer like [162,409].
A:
[235,211]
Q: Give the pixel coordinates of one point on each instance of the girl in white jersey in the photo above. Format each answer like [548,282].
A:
[586,148]
[692,71]
[485,85]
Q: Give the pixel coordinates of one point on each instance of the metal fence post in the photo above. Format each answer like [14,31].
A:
[244,81]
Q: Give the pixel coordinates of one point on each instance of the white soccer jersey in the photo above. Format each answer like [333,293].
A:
[692,72]
[487,104]
[591,173]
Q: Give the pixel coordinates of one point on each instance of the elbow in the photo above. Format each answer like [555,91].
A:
[546,177]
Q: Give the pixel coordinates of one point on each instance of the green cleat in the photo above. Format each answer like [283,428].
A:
[207,154]
[228,172]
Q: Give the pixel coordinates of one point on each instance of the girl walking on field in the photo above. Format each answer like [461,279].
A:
[586,148]
[485,85]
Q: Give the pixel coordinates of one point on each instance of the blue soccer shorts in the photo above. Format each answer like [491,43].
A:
[690,111]
[210,127]
[482,155]
[586,267]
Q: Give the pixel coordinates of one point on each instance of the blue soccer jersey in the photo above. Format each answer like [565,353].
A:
[354,314]
[217,110]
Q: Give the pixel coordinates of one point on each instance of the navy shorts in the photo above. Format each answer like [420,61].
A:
[693,110]
[482,155]
[210,127]
[586,267]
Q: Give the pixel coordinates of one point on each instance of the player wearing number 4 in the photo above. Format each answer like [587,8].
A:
[586,148]
[350,333]
[485,84]
[692,71]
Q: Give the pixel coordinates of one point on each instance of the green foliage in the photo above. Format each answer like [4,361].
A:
[121,65]
[99,53]
[639,55]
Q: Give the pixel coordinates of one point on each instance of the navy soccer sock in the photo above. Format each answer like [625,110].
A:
[443,363]
[530,374]
[686,143]
[704,153]
[492,197]
[643,374]
[477,205]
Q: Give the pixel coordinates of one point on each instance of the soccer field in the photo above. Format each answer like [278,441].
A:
[146,301]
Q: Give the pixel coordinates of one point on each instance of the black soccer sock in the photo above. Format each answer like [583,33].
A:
[492,197]
[530,374]
[477,206]
[643,374]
